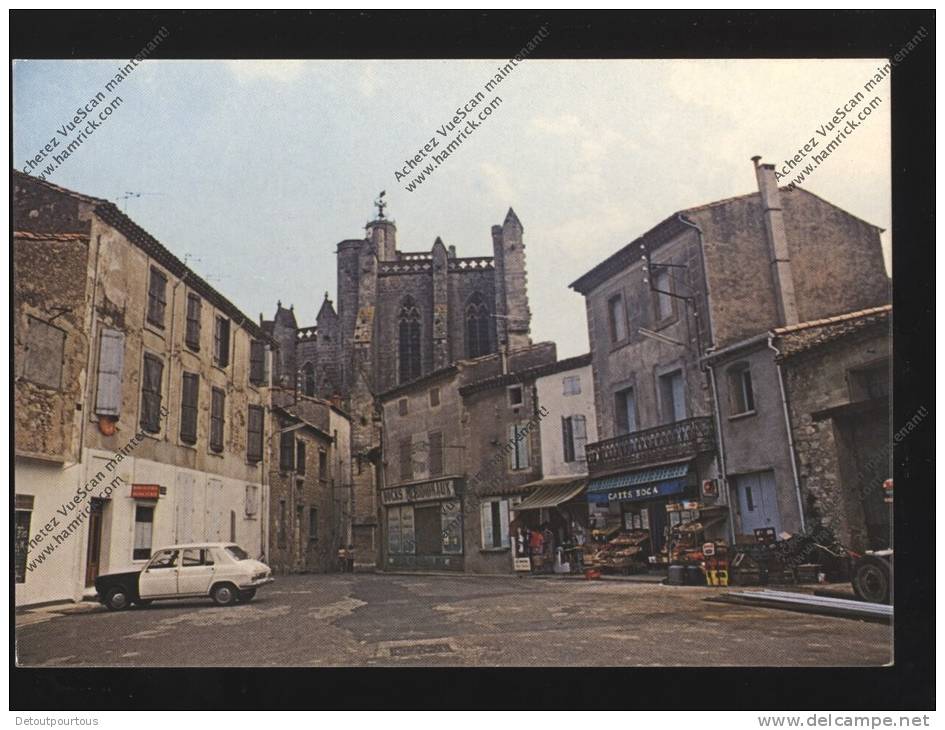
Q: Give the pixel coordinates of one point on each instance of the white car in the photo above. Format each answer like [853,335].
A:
[219,570]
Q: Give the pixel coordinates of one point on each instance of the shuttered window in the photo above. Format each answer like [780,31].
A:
[157,297]
[287,451]
[151,394]
[300,457]
[519,439]
[221,342]
[322,465]
[192,335]
[43,354]
[188,408]
[574,437]
[217,401]
[257,362]
[254,434]
[406,459]
[111,358]
[436,454]
[567,438]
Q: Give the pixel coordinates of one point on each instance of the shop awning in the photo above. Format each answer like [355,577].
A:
[640,484]
[551,493]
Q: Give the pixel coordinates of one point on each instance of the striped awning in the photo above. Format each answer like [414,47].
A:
[551,493]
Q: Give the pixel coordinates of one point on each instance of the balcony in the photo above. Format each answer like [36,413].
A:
[673,441]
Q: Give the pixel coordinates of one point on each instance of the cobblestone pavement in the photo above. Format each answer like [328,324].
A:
[410,620]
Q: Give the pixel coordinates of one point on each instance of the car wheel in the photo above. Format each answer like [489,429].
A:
[872,579]
[224,594]
[117,599]
[246,596]
[143,602]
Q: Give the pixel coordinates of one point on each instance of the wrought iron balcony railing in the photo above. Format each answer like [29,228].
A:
[679,440]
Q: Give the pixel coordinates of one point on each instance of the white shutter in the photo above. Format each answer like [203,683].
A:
[504,519]
[579,429]
[111,359]
[486,521]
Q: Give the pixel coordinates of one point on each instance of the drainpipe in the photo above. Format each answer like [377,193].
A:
[790,433]
[716,411]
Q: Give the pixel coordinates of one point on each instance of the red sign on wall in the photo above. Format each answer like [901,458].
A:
[145,491]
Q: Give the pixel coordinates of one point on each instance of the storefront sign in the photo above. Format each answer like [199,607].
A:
[647,491]
[145,491]
[524,564]
[441,489]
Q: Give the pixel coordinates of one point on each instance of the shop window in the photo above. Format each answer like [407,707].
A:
[451,526]
[673,396]
[257,362]
[144,524]
[434,397]
[401,537]
[662,299]
[637,519]
[495,524]
[571,385]
[281,538]
[574,437]
[435,458]
[625,411]
[221,342]
[254,434]
[300,457]
[252,500]
[409,340]
[21,537]
[406,459]
[188,407]
[111,358]
[192,331]
[157,297]
[478,322]
[308,379]
[740,389]
[520,442]
[217,401]
[287,451]
[515,395]
[312,523]
[617,318]
[151,381]
[323,465]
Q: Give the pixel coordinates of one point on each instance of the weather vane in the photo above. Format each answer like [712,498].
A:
[380,204]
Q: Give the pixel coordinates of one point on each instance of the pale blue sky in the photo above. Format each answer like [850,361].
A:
[256,169]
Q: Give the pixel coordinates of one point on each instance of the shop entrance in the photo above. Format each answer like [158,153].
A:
[93,556]
[427,524]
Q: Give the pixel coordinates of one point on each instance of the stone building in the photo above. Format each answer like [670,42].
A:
[140,398]
[401,316]
[703,280]
[304,529]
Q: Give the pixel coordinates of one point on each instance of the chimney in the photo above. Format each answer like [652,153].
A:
[778,254]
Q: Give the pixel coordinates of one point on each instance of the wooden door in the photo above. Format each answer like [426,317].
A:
[93,555]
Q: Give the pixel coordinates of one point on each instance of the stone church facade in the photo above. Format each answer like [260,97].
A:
[401,315]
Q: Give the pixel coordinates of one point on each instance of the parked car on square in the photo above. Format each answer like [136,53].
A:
[218,570]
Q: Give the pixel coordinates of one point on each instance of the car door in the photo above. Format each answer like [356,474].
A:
[159,578]
[196,572]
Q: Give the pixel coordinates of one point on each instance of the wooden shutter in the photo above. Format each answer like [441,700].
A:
[151,394]
[435,459]
[254,434]
[217,400]
[287,451]
[300,457]
[193,322]
[157,297]
[406,459]
[188,408]
[111,358]
[257,363]
[485,519]
[567,438]
[579,431]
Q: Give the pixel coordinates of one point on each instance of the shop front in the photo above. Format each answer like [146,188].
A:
[635,515]
[549,526]
[423,522]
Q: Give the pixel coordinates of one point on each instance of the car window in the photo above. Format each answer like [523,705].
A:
[164,559]
[237,552]
[193,557]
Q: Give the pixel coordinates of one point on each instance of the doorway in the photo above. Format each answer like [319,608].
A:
[93,555]
[758,502]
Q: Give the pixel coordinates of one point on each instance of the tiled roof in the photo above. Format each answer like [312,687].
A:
[797,338]
[532,373]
